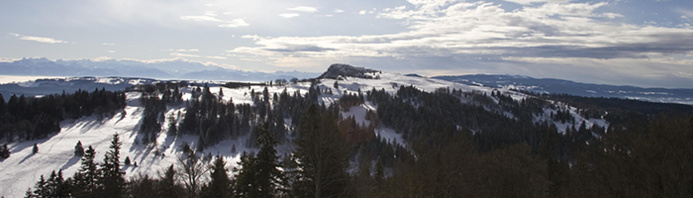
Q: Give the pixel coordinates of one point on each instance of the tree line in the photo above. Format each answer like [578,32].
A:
[23,118]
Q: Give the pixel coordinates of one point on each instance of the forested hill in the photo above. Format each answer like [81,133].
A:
[354,132]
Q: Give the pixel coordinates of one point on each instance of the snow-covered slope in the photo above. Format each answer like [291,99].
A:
[22,169]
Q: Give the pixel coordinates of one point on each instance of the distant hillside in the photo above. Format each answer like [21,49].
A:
[558,86]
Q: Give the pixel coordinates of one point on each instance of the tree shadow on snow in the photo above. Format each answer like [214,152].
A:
[71,162]
[27,157]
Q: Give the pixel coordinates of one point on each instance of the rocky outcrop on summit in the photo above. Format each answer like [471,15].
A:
[337,71]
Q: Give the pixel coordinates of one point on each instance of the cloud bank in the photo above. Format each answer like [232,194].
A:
[536,39]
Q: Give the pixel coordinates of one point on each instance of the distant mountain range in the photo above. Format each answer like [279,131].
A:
[558,86]
[173,69]
[125,71]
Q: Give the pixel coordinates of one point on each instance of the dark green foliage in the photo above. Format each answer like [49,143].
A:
[34,118]
[87,178]
[220,183]
[322,153]
[111,178]
[266,165]
[210,118]
[153,110]
[141,187]
[4,151]
[35,149]
[349,100]
[259,175]
[79,150]
[167,186]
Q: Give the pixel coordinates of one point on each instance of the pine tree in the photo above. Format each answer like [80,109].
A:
[245,178]
[379,171]
[40,189]
[167,184]
[220,184]
[35,149]
[269,178]
[111,178]
[322,155]
[87,177]
[4,152]
[172,126]
[57,186]
[127,161]
[79,150]
[141,187]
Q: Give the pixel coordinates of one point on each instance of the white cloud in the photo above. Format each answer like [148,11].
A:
[289,15]
[254,37]
[527,2]
[303,9]
[184,50]
[108,44]
[216,57]
[38,39]
[203,18]
[184,55]
[235,23]
[362,12]
[338,10]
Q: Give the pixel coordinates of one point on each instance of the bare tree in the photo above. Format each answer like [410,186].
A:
[191,173]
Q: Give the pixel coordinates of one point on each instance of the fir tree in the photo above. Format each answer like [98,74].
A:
[111,177]
[40,189]
[379,170]
[56,185]
[323,157]
[269,178]
[245,178]
[35,149]
[220,185]
[4,152]
[79,150]
[87,177]
[167,184]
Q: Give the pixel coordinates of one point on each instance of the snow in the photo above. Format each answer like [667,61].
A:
[391,136]
[22,169]
[589,123]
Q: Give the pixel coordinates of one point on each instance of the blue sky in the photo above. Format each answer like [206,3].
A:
[630,42]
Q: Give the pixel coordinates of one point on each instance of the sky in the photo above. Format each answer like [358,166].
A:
[646,43]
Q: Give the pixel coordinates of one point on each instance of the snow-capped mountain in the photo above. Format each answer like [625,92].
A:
[169,69]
